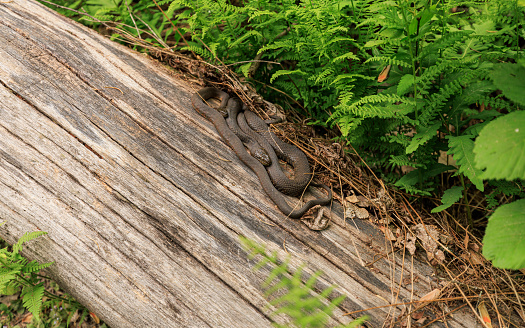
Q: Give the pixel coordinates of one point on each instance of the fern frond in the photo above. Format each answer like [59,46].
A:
[25,238]
[389,61]
[348,55]
[252,33]
[462,150]
[32,298]
[34,266]
[286,72]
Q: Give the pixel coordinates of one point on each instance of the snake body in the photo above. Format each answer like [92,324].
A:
[232,105]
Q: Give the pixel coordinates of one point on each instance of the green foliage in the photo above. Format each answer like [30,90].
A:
[141,19]
[450,196]
[18,275]
[313,41]
[441,61]
[500,147]
[500,150]
[32,298]
[504,188]
[509,79]
[293,297]
[462,150]
[504,241]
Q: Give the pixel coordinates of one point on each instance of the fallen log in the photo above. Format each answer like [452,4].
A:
[142,201]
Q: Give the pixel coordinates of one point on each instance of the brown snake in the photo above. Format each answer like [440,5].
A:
[232,106]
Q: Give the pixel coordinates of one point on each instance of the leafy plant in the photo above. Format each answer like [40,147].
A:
[140,19]
[441,57]
[305,48]
[18,275]
[296,299]
[500,152]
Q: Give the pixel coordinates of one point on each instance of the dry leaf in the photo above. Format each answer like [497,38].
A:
[352,198]
[318,222]
[27,318]
[484,313]
[476,258]
[439,256]
[422,320]
[431,295]
[363,202]
[428,235]
[353,211]
[388,233]
[411,245]
[417,315]
[473,246]
[384,74]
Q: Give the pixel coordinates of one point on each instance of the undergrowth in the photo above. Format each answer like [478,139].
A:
[409,84]
[23,288]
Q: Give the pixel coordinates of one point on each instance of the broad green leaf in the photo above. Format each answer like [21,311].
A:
[450,196]
[504,241]
[500,147]
[423,136]
[510,79]
[462,150]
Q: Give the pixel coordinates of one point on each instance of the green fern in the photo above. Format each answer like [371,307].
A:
[450,196]
[294,297]
[462,150]
[32,298]
[28,236]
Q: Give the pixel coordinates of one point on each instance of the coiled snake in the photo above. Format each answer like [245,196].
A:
[247,127]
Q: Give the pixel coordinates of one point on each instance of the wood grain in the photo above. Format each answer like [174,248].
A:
[143,203]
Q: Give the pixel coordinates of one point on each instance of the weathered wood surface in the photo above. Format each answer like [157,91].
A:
[142,210]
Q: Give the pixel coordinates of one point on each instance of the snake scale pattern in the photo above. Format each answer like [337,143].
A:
[239,127]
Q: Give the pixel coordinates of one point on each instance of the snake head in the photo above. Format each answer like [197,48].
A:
[262,156]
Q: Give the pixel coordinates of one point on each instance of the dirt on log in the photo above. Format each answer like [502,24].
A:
[142,201]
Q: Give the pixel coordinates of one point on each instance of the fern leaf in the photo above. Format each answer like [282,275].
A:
[32,298]
[244,37]
[450,196]
[25,238]
[389,61]
[34,266]
[348,55]
[405,84]
[423,136]
[6,277]
[462,150]
[285,72]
